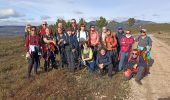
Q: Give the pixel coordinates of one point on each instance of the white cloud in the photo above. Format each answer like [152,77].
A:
[7,13]
[45,17]
[78,12]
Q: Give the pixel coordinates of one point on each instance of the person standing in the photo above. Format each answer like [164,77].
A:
[60,38]
[126,46]
[71,45]
[102,35]
[82,36]
[48,49]
[93,40]
[119,36]
[32,45]
[110,43]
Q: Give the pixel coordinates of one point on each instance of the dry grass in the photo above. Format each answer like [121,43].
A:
[56,84]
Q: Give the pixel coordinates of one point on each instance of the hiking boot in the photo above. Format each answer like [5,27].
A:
[138,81]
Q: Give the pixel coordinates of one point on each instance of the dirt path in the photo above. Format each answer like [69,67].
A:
[156,86]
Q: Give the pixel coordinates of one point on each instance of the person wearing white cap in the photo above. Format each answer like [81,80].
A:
[144,42]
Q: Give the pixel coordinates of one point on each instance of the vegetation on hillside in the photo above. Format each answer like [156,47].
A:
[57,84]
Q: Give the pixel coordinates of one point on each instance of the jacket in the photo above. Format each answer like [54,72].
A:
[104,59]
[126,44]
[110,42]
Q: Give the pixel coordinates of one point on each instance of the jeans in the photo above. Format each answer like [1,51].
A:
[139,74]
[108,68]
[114,56]
[63,56]
[123,60]
[90,65]
[49,57]
[33,62]
[70,59]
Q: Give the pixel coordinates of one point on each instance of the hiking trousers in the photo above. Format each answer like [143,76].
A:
[33,62]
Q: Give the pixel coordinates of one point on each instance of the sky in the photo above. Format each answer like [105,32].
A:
[20,12]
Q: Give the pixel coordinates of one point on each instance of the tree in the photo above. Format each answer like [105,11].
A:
[61,21]
[68,24]
[82,21]
[101,22]
[131,21]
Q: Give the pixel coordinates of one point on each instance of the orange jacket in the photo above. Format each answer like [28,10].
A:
[110,42]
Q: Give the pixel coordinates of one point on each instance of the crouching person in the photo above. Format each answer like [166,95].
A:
[71,45]
[135,66]
[87,57]
[32,45]
[104,62]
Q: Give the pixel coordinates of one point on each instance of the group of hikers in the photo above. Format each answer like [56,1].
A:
[77,48]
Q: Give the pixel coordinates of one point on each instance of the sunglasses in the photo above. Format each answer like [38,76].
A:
[134,53]
[44,24]
[128,32]
[142,31]
[32,30]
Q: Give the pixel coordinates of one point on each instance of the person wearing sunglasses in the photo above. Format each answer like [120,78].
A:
[93,40]
[135,66]
[27,30]
[82,36]
[126,46]
[43,28]
[74,26]
[74,29]
[32,45]
[144,41]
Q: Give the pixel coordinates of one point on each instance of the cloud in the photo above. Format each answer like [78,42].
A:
[7,13]
[120,19]
[45,17]
[78,12]
[70,1]
[155,15]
